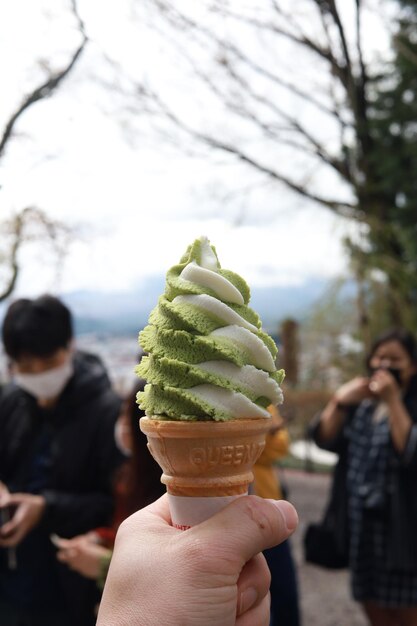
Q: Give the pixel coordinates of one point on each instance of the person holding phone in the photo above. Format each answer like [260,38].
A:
[372,422]
[57,461]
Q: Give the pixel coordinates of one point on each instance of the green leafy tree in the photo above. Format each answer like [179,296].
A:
[391,244]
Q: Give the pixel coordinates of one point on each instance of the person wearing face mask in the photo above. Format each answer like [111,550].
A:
[371,422]
[57,460]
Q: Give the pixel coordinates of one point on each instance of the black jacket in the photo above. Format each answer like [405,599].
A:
[401,508]
[82,460]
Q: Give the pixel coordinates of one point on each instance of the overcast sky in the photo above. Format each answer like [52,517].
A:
[86,158]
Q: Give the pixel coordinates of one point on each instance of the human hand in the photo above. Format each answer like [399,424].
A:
[4,492]
[28,511]
[354,391]
[4,511]
[208,575]
[82,555]
[384,386]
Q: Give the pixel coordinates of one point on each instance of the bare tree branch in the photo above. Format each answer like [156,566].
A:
[30,225]
[270,130]
[17,229]
[182,21]
[302,40]
[12,259]
[45,89]
[318,149]
[331,4]
[359,39]
[342,208]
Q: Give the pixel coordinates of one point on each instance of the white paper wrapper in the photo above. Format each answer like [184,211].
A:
[187,512]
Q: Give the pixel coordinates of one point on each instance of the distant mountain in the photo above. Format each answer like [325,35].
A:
[278,302]
[116,313]
[125,313]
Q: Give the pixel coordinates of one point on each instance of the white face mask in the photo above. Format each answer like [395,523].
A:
[48,384]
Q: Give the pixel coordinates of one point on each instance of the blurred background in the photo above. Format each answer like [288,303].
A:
[284,130]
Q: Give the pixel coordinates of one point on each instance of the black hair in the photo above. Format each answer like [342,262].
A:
[404,337]
[36,327]
[144,479]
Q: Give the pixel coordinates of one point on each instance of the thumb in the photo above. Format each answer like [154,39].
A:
[246,527]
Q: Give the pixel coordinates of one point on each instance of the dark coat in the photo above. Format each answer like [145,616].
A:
[83,457]
[336,513]
[401,496]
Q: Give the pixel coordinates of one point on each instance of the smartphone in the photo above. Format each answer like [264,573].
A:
[395,373]
[6,515]
[56,540]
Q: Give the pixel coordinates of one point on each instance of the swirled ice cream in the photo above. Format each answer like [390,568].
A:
[208,357]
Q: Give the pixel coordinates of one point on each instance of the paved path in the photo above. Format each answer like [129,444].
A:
[325,596]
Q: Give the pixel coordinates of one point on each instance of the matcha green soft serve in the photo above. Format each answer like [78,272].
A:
[208,357]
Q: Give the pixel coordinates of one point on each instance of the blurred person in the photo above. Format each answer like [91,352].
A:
[138,483]
[372,423]
[57,458]
[210,575]
[284,589]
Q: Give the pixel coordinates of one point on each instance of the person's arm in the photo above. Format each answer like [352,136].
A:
[400,424]
[85,556]
[28,512]
[384,386]
[333,417]
[210,574]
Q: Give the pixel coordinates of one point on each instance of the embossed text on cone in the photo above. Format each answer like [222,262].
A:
[206,459]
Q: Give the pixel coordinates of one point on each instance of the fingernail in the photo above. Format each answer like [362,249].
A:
[247,599]
[288,512]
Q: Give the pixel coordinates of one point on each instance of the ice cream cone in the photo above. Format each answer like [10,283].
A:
[210,462]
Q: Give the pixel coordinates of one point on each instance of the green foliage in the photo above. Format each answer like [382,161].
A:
[391,188]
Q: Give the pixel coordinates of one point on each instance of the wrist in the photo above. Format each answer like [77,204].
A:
[341,405]
[40,506]
[394,400]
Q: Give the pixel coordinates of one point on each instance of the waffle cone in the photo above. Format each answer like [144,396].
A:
[206,459]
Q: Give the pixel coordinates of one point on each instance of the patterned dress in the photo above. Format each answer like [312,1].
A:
[369,483]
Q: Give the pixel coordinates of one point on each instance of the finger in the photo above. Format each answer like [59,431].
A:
[244,528]
[4,498]
[253,584]
[259,615]
[62,544]
[3,491]
[156,517]
[9,527]
[13,540]
[66,556]
[160,508]
[15,498]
